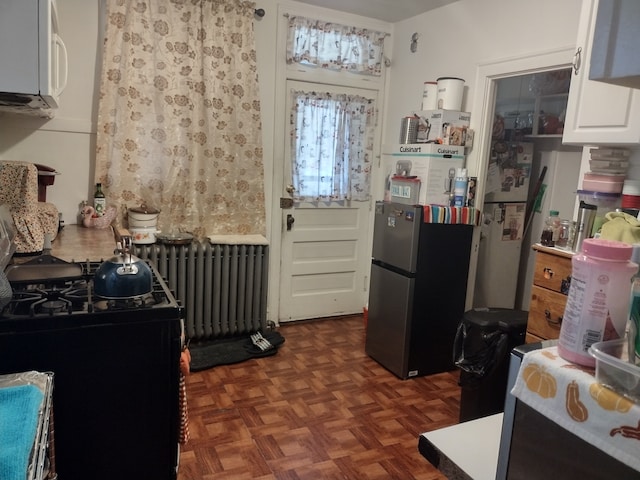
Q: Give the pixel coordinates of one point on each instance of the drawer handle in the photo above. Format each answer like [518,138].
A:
[548,273]
[547,316]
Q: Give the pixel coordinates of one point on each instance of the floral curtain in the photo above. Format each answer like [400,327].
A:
[334,46]
[332,146]
[179,114]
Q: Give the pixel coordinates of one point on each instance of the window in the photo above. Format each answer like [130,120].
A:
[331,145]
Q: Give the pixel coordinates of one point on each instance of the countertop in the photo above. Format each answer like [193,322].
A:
[466,451]
[78,243]
[553,250]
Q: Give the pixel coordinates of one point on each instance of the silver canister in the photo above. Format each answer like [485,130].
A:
[584,224]
[409,129]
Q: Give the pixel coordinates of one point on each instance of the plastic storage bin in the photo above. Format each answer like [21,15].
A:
[483,342]
[606,202]
[614,370]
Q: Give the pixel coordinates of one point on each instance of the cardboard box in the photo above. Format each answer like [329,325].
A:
[435,122]
[434,165]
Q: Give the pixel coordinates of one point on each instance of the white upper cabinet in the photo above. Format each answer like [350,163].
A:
[614,57]
[598,113]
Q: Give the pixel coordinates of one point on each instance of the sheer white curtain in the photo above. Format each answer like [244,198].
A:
[332,146]
[332,136]
[334,46]
[179,123]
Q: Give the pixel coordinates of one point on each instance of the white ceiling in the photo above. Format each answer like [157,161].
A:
[387,10]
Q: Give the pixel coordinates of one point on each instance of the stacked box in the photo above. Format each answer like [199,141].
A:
[447,126]
[432,165]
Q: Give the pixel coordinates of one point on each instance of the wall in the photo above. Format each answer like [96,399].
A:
[454,39]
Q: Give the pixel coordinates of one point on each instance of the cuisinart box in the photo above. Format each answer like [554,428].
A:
[433,164]
[447,125]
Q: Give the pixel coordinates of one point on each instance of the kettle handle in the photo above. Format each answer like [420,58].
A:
[124,239]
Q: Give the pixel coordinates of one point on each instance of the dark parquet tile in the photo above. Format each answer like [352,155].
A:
[319,409]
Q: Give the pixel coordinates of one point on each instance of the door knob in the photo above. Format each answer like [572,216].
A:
[290,189]
[290,221]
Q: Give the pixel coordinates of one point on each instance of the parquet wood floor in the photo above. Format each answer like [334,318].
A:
[318,409]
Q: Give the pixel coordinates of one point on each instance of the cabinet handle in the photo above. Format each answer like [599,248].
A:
[547,316]
[548,273]
[577,61]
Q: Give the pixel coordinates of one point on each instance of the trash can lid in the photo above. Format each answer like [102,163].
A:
[505,319]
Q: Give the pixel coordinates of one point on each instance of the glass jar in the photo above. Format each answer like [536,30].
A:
[566,231]
[550,231]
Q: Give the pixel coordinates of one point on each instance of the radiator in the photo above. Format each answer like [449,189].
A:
[223,288]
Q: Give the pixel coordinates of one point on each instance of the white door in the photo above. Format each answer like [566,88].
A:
[325,248]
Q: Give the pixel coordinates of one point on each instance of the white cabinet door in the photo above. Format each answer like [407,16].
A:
[598,113]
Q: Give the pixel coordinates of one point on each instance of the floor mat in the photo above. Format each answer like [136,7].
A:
[227,351]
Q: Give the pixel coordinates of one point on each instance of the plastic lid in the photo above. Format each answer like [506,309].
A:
[607,249]
[596,195]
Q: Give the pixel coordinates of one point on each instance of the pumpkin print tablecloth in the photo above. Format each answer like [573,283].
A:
[569,395]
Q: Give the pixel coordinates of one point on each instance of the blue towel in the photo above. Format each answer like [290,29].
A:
[19,407]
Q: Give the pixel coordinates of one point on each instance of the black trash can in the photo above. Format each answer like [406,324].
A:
[483,342]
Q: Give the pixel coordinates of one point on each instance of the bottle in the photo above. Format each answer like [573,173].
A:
[597,306]
[550,231]
[99,200]
[633,329]
[460,184]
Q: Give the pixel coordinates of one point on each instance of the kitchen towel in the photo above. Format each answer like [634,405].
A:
[19,414]
[621,226]
[452,215]
[569,395]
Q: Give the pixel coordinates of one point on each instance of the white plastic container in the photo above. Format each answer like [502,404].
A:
[598,302]
[430,96]
[450,90]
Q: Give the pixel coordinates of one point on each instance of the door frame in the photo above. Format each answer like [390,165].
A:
[487,75]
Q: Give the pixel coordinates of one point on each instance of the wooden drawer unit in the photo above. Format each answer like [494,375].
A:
[551,280]
[545,312]
[552,272]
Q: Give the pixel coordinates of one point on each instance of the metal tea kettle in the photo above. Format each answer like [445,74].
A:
[123,275]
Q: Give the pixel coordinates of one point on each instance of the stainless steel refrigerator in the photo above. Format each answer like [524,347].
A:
[417,290]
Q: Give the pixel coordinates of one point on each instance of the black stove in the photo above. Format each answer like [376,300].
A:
[115,367]
[49,297]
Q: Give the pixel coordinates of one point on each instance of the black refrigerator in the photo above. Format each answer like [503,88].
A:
[417,292]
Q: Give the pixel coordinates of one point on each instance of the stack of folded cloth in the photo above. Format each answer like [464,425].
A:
[19,415]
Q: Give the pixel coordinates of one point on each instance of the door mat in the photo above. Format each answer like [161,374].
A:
[227,351]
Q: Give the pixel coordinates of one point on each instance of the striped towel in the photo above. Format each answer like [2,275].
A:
[19,414]
[454,215]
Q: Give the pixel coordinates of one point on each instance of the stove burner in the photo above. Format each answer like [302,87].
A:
[51,306]
[75,296]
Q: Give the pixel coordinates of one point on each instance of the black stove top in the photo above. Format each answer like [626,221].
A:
[75,297]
